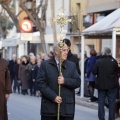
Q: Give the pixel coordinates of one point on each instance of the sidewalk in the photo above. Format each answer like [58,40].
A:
[83,102]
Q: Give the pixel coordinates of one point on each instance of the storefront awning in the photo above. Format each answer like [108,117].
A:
[106,25]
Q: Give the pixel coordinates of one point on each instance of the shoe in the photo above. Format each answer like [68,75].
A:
[89,100]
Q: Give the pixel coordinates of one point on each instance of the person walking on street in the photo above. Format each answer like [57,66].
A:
[89,75]
[34,76]
[5,88]
[11,69]
[16,71]
[47,81]
[106,71]
[29,69]
[23,75]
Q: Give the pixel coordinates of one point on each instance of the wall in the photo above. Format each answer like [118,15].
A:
[78,7]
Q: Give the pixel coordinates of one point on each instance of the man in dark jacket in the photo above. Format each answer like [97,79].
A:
[72,57]
[48,80]
[11,69]
[106,83]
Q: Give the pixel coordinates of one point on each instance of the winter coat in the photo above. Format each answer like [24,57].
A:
[106,70]
[90,63]
[29,69]
[23,75]
[16,71]
[35,72]
[5,88]
[73,58]
[11,68]
[48,85]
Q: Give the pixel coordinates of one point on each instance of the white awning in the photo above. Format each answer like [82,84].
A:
[105,25]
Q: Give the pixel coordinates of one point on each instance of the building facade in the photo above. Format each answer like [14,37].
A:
[78,10]
[100,9]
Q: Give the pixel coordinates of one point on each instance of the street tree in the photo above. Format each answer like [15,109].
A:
[5,25]
[33,14]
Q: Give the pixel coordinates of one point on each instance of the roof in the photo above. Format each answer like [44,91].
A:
[105,25]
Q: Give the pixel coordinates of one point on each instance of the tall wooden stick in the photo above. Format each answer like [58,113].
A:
[61,20]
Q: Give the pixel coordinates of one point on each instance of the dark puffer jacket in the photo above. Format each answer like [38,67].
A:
[48,85]
[106,70]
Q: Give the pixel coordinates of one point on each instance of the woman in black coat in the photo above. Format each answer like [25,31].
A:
[23,75]
[16,71]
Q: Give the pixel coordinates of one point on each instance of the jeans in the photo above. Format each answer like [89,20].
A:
[111,95]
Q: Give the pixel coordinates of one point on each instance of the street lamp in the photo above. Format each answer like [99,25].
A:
[29,4]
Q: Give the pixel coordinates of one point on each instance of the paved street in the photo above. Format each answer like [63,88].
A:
[27,108]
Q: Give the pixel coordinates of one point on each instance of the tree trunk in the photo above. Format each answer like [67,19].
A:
[42,37]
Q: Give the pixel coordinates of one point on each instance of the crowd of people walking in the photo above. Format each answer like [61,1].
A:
[23,73]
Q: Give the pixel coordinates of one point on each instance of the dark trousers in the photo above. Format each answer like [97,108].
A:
[111,95]
[32,88]
[55,118]
[14,84]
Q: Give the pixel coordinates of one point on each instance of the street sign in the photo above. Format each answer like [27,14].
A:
[26,36]
[26,26]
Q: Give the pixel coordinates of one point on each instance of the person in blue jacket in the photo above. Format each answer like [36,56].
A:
[90,77]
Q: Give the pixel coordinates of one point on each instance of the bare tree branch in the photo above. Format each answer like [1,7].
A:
[39,6]
[19,13]
[7,23]
[32,14]
[13,17]
[44,8]
[28,13]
